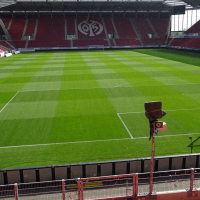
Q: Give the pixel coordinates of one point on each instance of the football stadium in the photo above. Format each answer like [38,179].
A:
[99,99]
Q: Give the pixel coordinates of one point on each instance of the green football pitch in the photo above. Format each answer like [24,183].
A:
[74,107]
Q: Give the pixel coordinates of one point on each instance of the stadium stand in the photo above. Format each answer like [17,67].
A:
[16,28]
[109,25]
[191,42]
[50,33]
[6,21]
[144,29]
[161,26]
[30,26]
[71,26]
[178,41]
[55,31]
[130,33]
[6,45]
[194,29]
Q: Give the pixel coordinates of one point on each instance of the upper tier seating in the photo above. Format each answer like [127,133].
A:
[70,26]
[90,28]
[30,26]
[195,28]
[120,29]
[6,21]
[90,32]
[160,25]
[109,25]
[17,28]
[128,29]
[144,29]
[51,32]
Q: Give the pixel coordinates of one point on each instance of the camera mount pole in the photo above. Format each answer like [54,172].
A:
[152,159]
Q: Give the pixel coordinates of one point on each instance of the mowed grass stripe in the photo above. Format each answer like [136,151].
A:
[8,70]
[162,64]
[163,93]
[166,93]
[42,81]
[190,58]
[123,97]
[7,91]
[9,61]
[91,152]
[84,114]
[21,129]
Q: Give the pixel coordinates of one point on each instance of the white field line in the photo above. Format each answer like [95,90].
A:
[72,89]
[125,126]
[164,110]
[34,145]
[151,85]
[80,142]
[168,135]
[63,143]
[9,102]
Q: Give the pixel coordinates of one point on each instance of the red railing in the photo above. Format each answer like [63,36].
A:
[120,186]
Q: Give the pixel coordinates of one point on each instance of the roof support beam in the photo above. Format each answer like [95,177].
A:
[20,5]
[49,5]
[35,6]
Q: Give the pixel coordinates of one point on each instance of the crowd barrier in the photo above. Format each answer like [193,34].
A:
[96,169]
[130,186]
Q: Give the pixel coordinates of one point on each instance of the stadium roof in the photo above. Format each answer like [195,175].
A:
[94,5]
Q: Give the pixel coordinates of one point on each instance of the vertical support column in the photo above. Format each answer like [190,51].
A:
[82,196]
[192,179]
[79,189]
[63,189]
[16,191]
[136,185]
[152,159]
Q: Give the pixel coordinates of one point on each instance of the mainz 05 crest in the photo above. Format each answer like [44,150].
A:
[90,28]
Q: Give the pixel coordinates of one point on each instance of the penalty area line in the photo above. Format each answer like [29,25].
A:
[9,102]
[62,143]
[125,126]
[165,110]
[169,135]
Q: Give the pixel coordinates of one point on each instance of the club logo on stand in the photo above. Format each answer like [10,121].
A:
[90,28]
